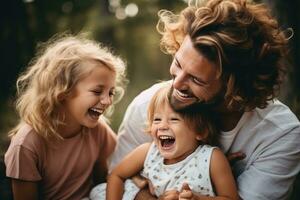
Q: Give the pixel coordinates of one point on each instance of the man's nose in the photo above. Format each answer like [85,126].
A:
[180,81]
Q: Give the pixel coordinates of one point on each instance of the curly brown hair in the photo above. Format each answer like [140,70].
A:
[241,37]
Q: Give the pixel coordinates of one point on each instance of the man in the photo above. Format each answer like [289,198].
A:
[228,57]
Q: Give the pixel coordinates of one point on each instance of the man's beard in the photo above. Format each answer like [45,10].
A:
[197,106]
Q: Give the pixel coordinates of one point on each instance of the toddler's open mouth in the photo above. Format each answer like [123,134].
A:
[166,141]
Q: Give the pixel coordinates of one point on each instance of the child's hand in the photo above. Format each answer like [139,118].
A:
[186,193]
[169,195]
[139,181]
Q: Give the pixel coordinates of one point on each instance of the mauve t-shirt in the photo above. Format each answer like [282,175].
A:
[63,168]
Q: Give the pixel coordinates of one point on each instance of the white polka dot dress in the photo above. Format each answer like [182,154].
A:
[193,170]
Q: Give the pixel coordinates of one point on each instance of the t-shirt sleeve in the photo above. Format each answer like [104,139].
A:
[21,163]
[271,176]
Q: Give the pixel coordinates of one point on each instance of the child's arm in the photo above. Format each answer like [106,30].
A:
[222,177]
[222,180]
[24,190]
[129,166]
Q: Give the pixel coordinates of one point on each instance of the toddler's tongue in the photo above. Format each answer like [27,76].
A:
[167,142]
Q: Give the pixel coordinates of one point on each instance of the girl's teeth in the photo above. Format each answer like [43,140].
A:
[166,141]
[165,137]
[97,110]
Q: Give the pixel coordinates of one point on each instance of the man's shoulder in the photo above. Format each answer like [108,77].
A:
[278,113]
[275,121]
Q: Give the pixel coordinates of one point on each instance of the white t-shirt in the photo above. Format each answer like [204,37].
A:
[226,137]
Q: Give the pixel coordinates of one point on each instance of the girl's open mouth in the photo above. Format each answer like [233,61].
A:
[95,113]
[166,141]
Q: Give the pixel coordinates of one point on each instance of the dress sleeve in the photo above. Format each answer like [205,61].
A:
[21,163]
[272,174]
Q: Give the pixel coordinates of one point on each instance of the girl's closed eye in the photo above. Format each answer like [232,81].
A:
[96,92]
[112,93]
[156,119]
[175,119]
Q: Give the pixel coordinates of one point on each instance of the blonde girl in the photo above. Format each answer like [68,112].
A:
[60,147]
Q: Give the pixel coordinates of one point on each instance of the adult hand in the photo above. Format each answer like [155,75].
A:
[234,157]
[169,195]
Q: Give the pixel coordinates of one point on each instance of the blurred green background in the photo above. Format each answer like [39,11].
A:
[127,26]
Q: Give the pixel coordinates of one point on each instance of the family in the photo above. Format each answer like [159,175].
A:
[215,131]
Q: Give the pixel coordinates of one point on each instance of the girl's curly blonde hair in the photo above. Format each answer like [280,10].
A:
[241,37]
[54,72]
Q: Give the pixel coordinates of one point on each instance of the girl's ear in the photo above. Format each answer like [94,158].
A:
[199,137]
[61,96]
[202,136]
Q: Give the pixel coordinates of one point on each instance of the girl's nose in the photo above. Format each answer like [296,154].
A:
[163,126]
[106,100]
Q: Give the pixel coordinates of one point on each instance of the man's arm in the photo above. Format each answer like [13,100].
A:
[272,173]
